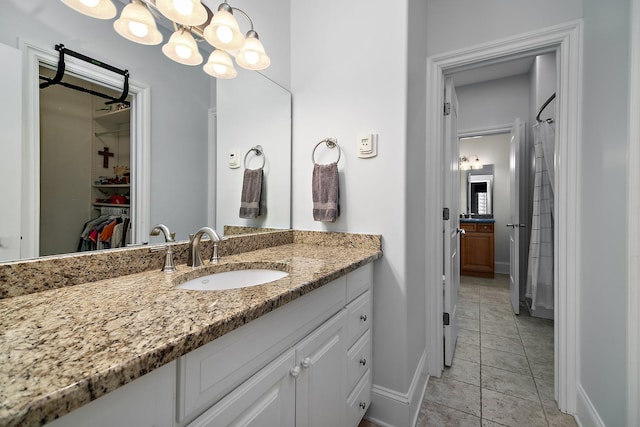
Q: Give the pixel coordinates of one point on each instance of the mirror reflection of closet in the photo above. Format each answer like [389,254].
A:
[480,192]
[85,148]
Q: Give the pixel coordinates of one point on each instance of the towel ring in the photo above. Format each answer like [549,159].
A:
[331,143]
[259,152]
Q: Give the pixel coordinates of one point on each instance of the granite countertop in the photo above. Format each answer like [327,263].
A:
[479,220]
[62,348]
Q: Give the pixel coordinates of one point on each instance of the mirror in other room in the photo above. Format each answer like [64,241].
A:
[479,192]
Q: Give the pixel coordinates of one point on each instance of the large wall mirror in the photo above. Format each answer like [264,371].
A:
[180,192]
[253,111]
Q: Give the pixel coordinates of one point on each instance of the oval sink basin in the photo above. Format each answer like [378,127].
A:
[233,279]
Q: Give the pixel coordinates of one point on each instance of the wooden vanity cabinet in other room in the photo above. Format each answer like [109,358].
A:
[477,249]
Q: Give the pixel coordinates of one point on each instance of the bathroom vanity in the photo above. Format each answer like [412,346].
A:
[477,248]
[136,350]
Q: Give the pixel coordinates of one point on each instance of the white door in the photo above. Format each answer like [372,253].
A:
[517,138]
[451,222]
[11,143]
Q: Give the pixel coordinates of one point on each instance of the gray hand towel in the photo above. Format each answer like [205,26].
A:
[251,193]
[326,192]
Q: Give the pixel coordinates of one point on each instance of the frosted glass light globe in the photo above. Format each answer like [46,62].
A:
[90,3]
[138,28]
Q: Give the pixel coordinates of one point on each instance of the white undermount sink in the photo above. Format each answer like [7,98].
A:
[235,279]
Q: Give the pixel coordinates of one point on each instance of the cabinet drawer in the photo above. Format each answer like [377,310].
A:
[359,359]
[359,281]
[358,317]
[358,402]
[485,228]
[468,226]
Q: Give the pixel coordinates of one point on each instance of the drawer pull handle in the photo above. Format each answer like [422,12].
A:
[363,405]
[363,362]
[363,317]
[295,371]
[306,362]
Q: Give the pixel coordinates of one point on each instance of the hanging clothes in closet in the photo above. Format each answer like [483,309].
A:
[109,230]
[540,272]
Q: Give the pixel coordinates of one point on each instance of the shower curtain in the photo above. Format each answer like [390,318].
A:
[540,272]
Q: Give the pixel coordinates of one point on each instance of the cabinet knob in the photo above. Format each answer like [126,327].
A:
[295,371]
[363,317]
[363,361]
[306,362]
[363,405]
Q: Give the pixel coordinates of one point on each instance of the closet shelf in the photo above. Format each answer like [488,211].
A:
[112,186]
[112,205]
[114,117]
[111,132]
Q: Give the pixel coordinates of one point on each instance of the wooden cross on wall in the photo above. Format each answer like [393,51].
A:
[105,154]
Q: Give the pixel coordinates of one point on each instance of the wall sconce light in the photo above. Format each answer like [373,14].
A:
[466,164]
[189,18]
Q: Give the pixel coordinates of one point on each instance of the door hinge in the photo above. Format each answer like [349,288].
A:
[447,108]
[445,319]
[445,214]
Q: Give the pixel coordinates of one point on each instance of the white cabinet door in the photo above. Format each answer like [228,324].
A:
[267,399]
[321,393]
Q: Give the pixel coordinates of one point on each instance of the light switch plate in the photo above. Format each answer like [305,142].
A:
[367,146]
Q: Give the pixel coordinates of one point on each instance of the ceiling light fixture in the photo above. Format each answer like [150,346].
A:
[100,9]
[137,24]
[189,18]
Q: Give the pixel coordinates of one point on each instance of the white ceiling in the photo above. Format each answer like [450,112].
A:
[500,70]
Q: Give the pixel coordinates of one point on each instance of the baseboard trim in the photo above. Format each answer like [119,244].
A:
[587,415]
[390,408]
[501,267]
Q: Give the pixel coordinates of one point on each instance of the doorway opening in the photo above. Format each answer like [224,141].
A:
[36,57]
[85,168]
[566,41]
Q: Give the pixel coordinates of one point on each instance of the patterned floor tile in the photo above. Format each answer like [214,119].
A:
[434,414]
[496,342]
[512,411]
[509,383]
[454,394]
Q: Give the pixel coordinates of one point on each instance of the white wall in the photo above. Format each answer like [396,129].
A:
[348,79]
[493,103]
[463,23]
[603,335]
[494,150]
[179,95]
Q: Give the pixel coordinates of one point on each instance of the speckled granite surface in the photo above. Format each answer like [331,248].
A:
[61,348]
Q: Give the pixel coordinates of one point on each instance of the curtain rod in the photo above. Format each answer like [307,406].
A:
[551,98]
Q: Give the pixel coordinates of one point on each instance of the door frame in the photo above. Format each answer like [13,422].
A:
[566,40]
[33,56]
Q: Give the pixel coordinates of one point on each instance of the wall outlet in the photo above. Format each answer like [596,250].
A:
[367,146]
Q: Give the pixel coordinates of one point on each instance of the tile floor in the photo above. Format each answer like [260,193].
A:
[502,370]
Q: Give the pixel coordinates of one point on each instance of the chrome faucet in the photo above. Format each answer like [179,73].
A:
[195,258]
[169,237]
